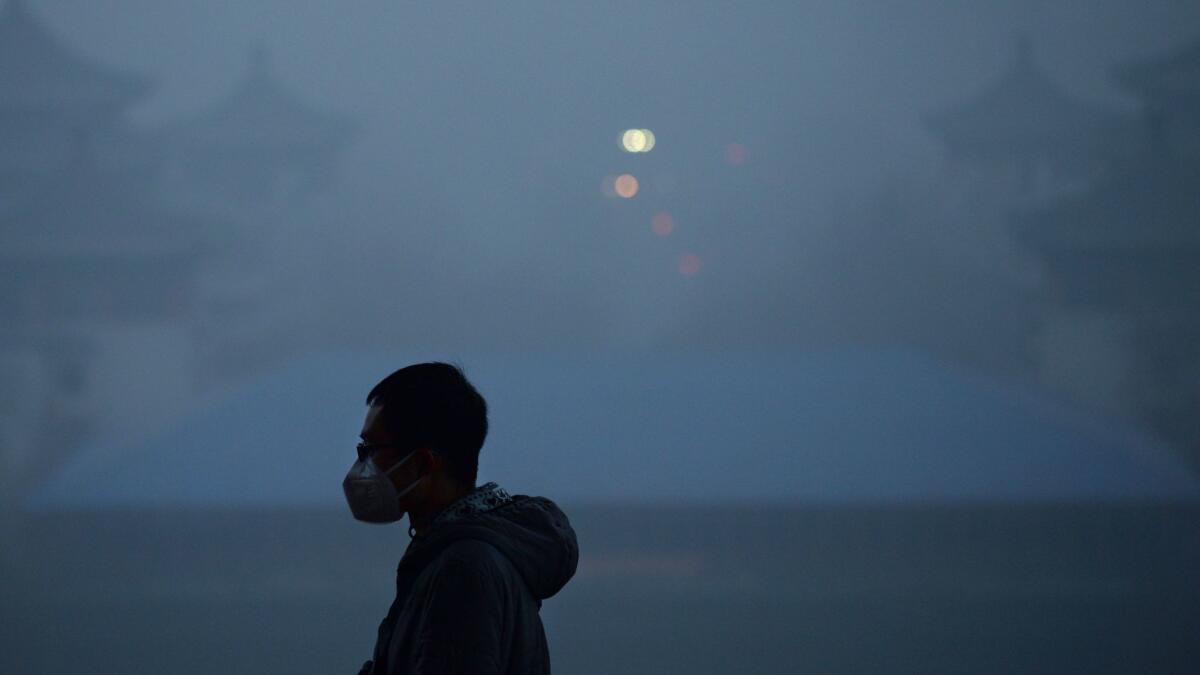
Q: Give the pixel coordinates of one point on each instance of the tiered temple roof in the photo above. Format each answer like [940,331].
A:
[1022,114]
[90,243]
[1172,78]
[261,115]
[86,210]
[38,73]
[257,145]
[1152,203]
[1132,240]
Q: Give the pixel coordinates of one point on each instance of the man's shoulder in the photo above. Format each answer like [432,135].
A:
[474,555]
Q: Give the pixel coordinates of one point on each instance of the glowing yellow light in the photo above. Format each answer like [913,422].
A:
[662,224]
[637,140]
[689,264]
[649,140]
[626,186]
[633,140]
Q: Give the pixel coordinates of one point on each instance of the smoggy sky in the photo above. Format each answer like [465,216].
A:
[471,213]
[413,72]
[486,130]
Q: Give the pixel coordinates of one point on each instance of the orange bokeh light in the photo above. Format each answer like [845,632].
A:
[626,186]
[689,264]
[662,224]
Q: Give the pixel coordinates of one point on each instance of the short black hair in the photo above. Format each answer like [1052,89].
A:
[434,405]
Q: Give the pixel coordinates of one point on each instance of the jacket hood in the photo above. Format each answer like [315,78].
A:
[533,532]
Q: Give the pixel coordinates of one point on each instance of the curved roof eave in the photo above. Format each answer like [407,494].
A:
[37,71]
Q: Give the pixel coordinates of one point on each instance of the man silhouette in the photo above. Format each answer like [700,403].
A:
[480,561]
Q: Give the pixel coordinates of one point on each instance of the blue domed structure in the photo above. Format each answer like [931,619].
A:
[849,426]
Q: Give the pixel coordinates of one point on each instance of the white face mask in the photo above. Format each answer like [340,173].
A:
[370,493]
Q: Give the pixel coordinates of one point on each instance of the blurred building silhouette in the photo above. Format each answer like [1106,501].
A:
[92,266]
[972,299]
[1022,138]
[258,158]
[52,100]
[135,265]
[259,146]
[1122,262]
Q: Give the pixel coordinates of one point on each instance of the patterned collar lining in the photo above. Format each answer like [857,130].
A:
[483,498]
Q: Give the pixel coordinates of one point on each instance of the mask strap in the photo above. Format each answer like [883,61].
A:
[412,485]
[409,488]
[397,464]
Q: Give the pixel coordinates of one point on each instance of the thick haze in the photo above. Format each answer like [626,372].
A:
[470,207]
[888,366]
[812,206]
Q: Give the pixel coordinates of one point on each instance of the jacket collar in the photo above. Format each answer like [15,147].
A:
[481,499]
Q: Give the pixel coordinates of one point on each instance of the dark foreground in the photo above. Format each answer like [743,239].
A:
[980,589]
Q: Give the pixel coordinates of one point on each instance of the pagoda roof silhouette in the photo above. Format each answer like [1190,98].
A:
[1172,76]
[40,73]
[1147,202]
[261,112]
[1023,112]
[86,211]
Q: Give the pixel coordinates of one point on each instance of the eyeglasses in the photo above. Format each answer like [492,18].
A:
[365,449]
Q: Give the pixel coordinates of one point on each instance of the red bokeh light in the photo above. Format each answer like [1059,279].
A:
[662,224]
[689,264]
[735,154]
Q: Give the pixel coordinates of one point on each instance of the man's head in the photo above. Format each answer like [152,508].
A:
[433,412]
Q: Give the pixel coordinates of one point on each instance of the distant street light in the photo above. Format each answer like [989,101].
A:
[637,140]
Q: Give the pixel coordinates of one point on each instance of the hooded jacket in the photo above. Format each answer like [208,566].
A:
[468,591]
